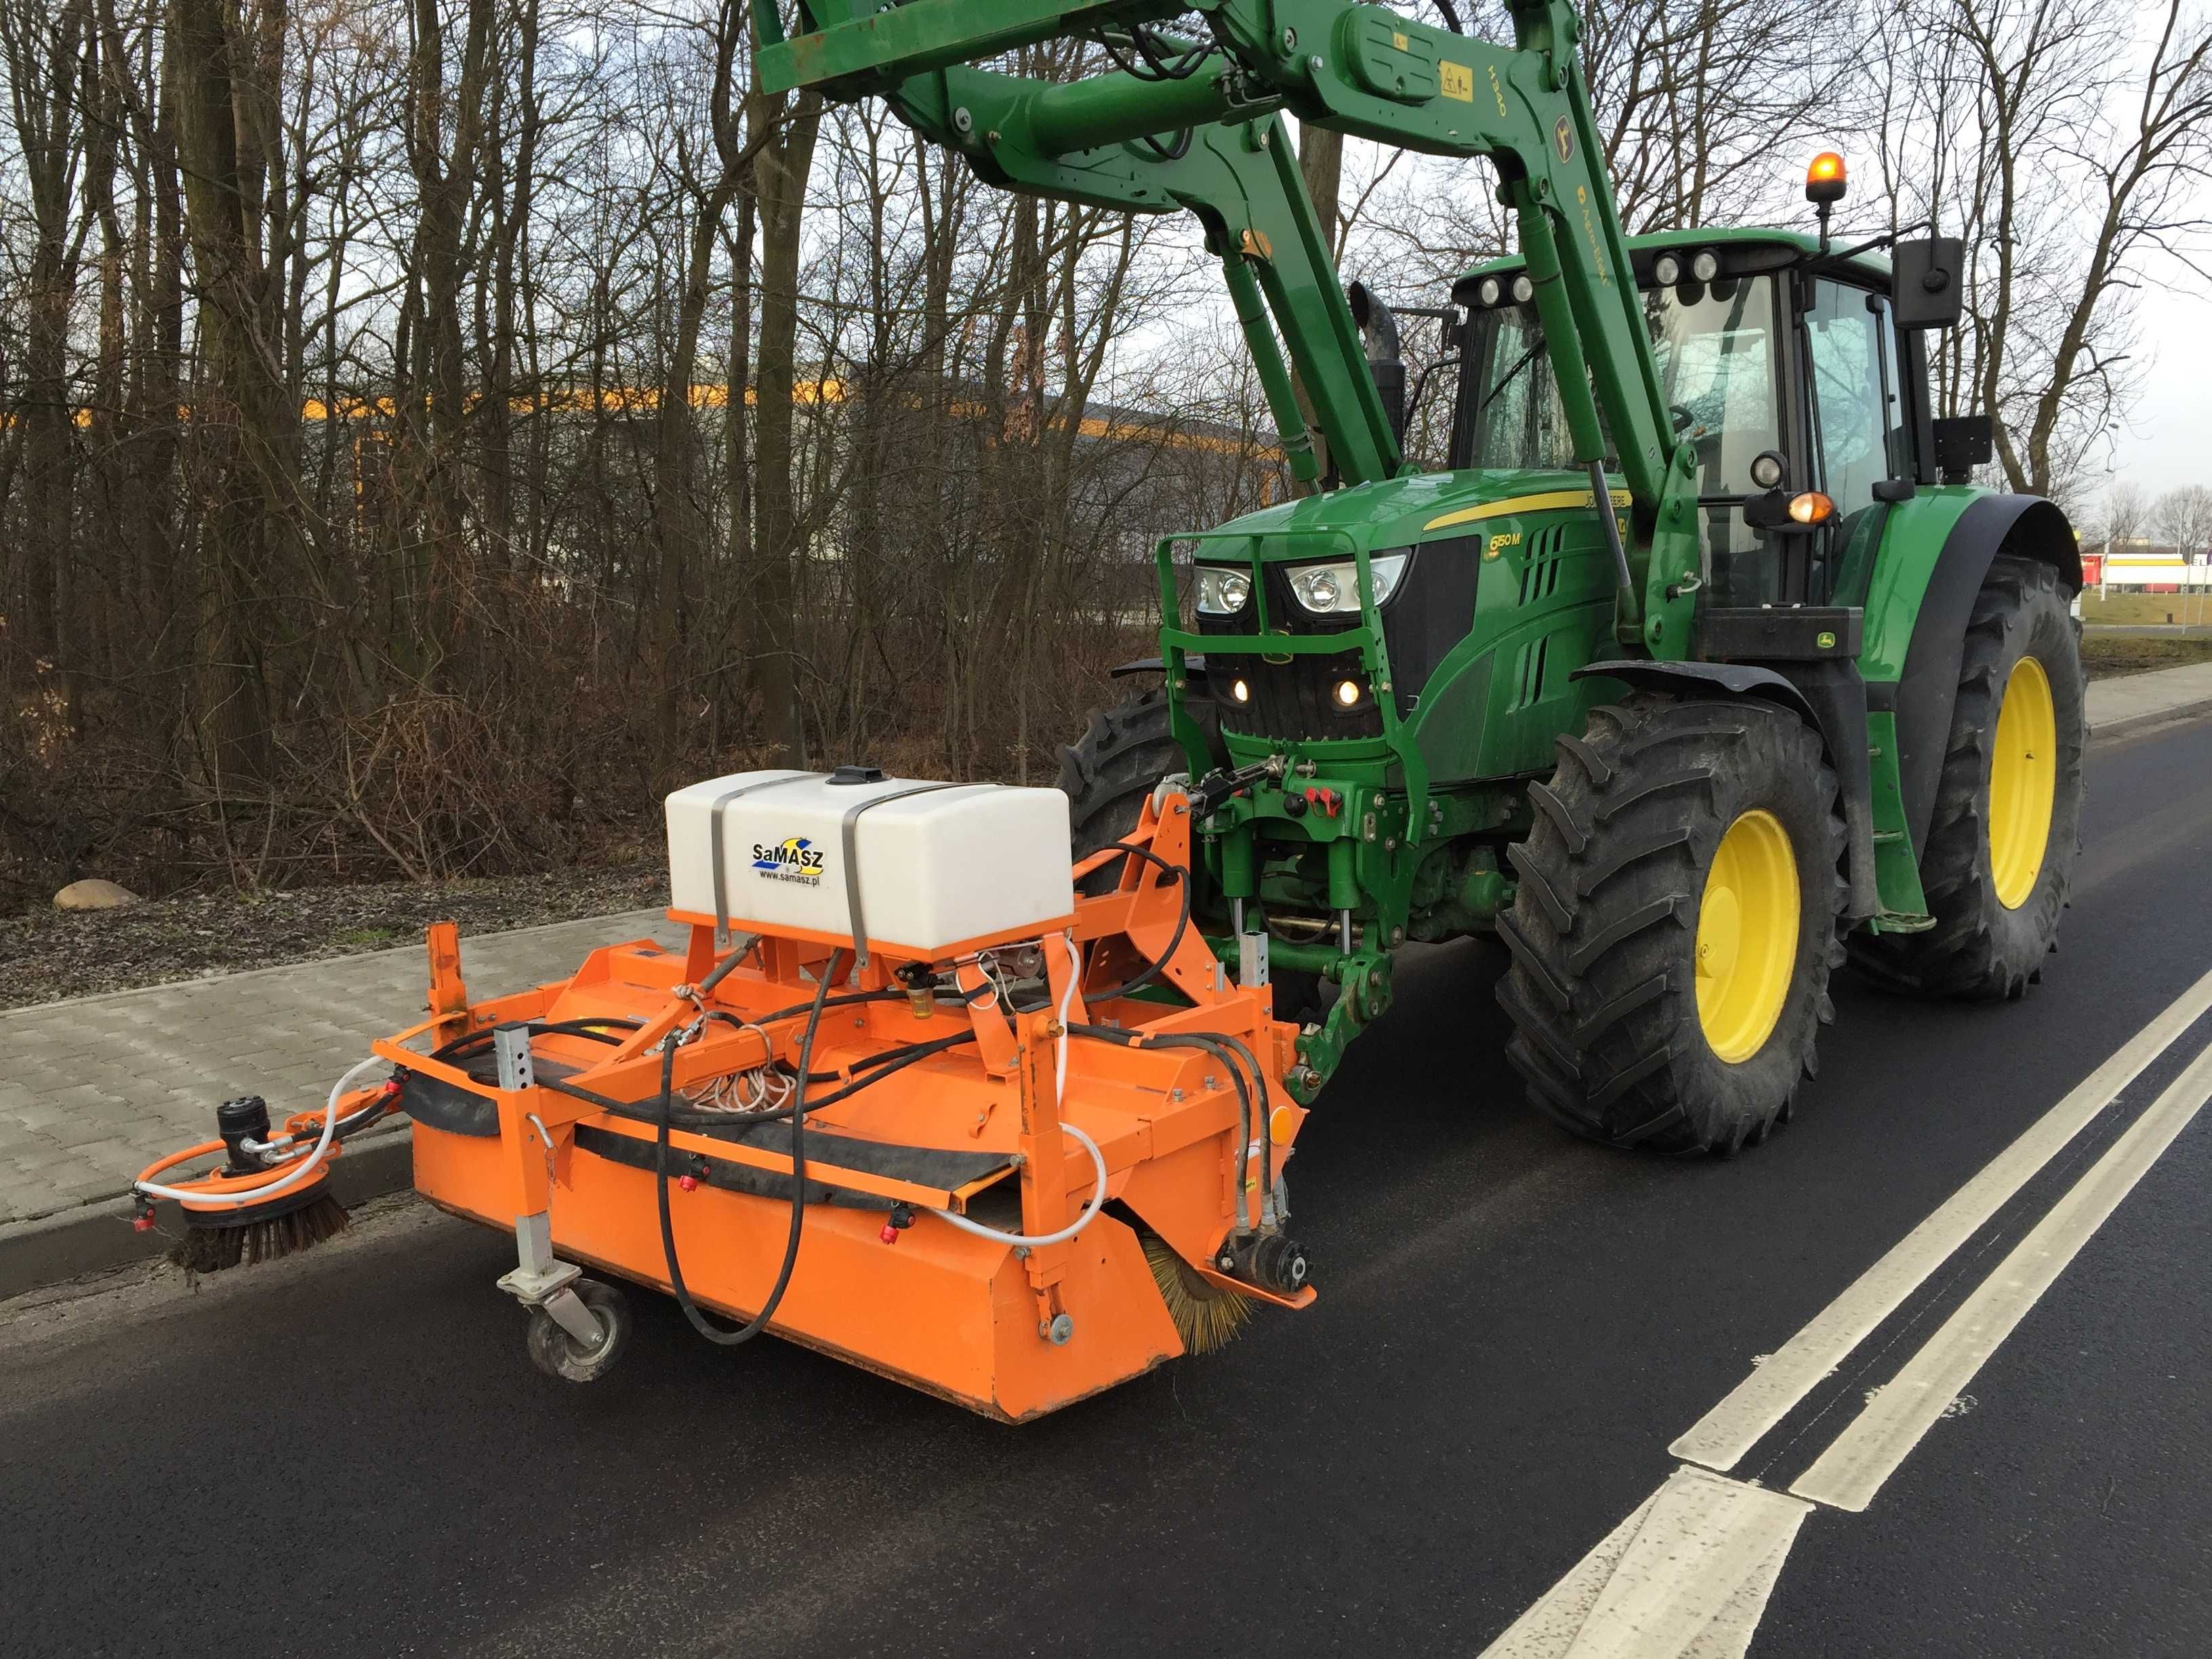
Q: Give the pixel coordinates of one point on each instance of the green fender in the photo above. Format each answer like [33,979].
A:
[1935,552]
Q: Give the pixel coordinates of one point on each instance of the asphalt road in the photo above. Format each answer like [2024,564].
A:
[351,1455]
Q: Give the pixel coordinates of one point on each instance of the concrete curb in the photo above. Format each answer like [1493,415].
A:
[96,1238]
[2127,725]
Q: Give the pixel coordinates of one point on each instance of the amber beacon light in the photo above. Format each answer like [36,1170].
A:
[1826,179]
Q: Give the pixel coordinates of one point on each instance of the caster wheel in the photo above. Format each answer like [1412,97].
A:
[556,1353]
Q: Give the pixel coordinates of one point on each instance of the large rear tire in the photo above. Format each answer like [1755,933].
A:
[1107,772]
[1998,862]
[1675,923]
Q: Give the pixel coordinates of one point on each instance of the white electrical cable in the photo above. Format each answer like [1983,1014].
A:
[1097,1202]
[1059,1088]
[299,1172]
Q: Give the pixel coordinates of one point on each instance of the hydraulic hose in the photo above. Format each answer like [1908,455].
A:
[475,1043]
[1265,1129]
[300,1171]
[797,1111]
[1216,1045]
[1151,970]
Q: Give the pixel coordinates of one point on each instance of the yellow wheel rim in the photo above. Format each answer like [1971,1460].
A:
[2023,780]
[1747,948]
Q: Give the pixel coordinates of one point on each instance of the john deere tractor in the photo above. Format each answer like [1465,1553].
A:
[1700,670]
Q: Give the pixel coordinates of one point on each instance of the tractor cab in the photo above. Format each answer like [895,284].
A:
[1786,370]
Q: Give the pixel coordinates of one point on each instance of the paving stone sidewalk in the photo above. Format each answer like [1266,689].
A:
[93,1089]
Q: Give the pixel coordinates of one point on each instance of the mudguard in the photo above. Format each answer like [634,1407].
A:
[2024,526]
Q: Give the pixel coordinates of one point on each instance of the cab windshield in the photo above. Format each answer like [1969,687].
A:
[1715,344]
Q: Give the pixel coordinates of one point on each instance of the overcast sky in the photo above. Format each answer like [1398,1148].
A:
[2166,443]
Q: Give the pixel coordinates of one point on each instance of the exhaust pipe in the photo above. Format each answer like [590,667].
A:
[1378,329]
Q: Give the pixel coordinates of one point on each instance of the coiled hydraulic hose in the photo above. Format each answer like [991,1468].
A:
[797,1112]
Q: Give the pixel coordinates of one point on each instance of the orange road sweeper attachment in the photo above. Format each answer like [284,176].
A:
[997,1138]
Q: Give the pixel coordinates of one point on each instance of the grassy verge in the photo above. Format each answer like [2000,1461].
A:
[2106,658]
[2147,610]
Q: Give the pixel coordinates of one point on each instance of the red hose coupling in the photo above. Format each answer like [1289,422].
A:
[689,1183]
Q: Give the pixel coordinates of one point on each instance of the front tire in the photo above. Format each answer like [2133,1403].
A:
[1675,923]
[1107,772]
[1998,861]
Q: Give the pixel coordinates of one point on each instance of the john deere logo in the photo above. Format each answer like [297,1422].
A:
[1825,639]
[1562,135]
[793,859]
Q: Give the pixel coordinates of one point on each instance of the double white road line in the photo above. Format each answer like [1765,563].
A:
[1689,1572]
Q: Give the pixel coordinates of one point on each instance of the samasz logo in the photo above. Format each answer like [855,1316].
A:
[793,859]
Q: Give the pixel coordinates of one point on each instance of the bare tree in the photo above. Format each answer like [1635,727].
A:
[2184,518]
[2067,152]
[2127,514]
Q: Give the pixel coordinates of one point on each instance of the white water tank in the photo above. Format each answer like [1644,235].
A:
[938,865]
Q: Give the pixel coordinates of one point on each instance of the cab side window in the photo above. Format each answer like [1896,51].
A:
[1858,419]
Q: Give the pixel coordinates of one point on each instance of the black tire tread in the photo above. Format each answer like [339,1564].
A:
[1973,952]
[1107,772]
[1599,987]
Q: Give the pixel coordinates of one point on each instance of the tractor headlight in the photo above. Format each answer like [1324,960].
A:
[1222,590]
[1667,270]
[1333,589]
[1490,292]
[1705,265]
[1523,290]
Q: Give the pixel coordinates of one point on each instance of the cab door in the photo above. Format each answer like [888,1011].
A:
[1859,441]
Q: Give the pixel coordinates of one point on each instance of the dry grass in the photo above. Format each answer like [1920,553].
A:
[50,953]
[2107,657]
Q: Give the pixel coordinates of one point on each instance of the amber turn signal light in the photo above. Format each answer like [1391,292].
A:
[1826,179]
[1812,507]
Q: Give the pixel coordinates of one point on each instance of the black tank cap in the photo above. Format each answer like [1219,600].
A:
[856,775]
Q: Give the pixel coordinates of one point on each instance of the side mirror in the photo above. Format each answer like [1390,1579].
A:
[1930,283]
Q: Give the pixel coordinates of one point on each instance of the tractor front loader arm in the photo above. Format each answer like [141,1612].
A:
[1207,139]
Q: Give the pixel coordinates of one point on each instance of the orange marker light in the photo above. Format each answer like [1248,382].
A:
[1825,180]
[1812,507]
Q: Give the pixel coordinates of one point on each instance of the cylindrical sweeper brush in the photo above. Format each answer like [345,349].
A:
[1205,1316]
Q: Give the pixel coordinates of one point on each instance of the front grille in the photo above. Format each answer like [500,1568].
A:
[1295,700]
[1427,617]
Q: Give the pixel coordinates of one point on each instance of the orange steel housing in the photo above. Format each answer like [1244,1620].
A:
[964,1317]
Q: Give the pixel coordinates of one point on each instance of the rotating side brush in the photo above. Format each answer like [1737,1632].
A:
[271,1195]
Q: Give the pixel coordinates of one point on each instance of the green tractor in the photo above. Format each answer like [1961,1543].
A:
[1701,668]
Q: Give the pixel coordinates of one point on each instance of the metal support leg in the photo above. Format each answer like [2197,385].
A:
[1251,960]
[539,1280]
